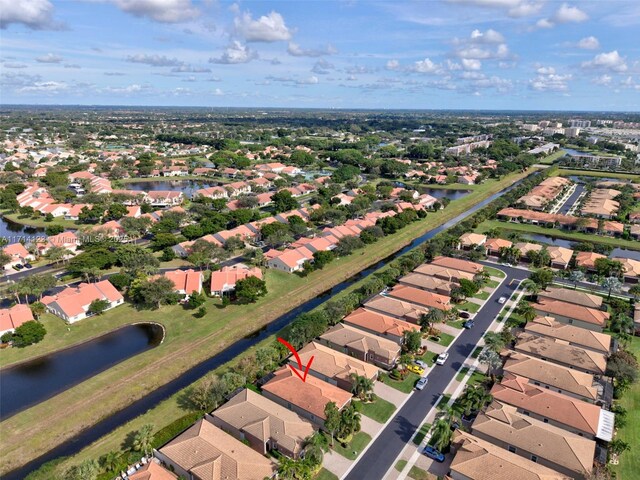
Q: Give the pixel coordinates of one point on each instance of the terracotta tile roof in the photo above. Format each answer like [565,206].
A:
[187,281]
[378,322]
[570,310]
[470,239]
[226,278]
[265,420]
[504,423]
[572,296]
[445,273]
[396,308]
[153,471]
[17,251]
[560,255]
[427,283]
[477,459]
[549,327]
[495,244]
[558,376]
[588,259]
[630,266]
[334,364]
[421,297]
[458,264]
[526,247]
[311,395]
[576,414]
[74,301]
[356,339]
[208,453]
[12,318]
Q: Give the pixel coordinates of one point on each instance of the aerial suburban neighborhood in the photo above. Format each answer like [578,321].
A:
[432,275]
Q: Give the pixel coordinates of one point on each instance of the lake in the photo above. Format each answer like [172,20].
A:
[14,232]
[188,187]
[32,382]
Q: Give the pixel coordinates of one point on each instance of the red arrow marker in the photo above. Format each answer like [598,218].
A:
[302,374]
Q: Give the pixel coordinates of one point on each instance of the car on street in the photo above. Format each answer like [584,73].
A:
[502,300]
[442,358]
[28,265]
[415,369]
[421,363]
[464,314]
[468,324]
[431,452]
[422,383]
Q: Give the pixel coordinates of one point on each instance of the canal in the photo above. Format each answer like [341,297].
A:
[140,406]
[13,232]
[29,383]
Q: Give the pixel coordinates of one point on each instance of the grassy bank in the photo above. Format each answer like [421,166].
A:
[189,341]
[39,222]
[564,172]
[549,159]
[554,232]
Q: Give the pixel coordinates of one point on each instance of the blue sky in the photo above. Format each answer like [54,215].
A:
[459,54]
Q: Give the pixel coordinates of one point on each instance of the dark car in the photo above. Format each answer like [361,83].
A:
[28,265]
[464,314]
[433,453]
[18,266]
[468,324]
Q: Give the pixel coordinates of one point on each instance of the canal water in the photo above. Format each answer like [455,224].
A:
[14,232]
[188,187]
[140,406]
[561,242]
[32,382]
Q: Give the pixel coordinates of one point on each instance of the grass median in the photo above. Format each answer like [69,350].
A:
[189,341]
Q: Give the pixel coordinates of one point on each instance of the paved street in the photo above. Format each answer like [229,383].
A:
[383,451]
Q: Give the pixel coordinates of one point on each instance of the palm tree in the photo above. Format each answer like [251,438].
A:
[110,461]
[611,284]
[526,311]
[530,286]
[576,276]
[623,325]
[494,341]
[143,438]
[349,421]
[431,317]
[492,360]
[441,434]
[361,386]
[14,289]
[38,308]
[315,447]
[473,399]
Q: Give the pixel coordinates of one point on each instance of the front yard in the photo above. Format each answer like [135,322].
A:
[354,447]
[380,410]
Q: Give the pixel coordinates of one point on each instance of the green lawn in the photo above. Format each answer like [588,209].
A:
[355,446]
[421,433]
[419,474]
[554,232]
[429,358]
[629,465]
[38,222]
[325,474]
[445,400]
[400,465]
[456,324]
[380,410]
[494,272]
[549,159]
[476,378]
[461,373]
[445,339]
[469,307]
[564,172]
[405,386]
[515,320]
[482,295]
[476,352]
[492,283]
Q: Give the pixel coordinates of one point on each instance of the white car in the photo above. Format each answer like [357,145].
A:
[442,358]
[422,383]
[502,300]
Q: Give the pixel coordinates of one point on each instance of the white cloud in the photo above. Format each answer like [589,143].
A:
[603,80]
[154,60]
[426,66]
[14,65]
[267,28]
[44,87]
[546,70]
[548,80]
[490,36]
[295,50]
[235,53]
[312,80]
[514,8]
[49,58]
[589,43]
[190,69]
[607,61]
[165,11]
[35,14]
[392,65]
[322,67]
[471,64]
[72,65]
[564,14]
[218,92]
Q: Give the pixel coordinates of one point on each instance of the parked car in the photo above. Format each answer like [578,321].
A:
[464,314]
[502,300]
[28,265]
[421,363]
[415,369]
[468,324]
[18,266]
[442,358]
[431,452]
[422,383]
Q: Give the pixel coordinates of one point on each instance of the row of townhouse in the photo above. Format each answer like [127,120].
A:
[586,224]
[543,194]
[601,203]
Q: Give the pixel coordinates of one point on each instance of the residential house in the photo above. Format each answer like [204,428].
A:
[212,192]
[308,399]
[587,260]
[379,324]
[547,445]
[362,345]
[554,377]
[333,366]
[477,459]
[72,303]
[224,280]
[445,273]
[573,314]
[582,418]
[424,282]
[630,269]
[424,298]
[153,471]
[525,247]
[458,264]
[561,353]
[160,198]
[560,256]
[68,240]
[18,255]
[291,260]
[572,296]
[470,241]
[11,318]
[406,311]
[187,282]
[264,424]
[493,246]
[205,452]
[572,335]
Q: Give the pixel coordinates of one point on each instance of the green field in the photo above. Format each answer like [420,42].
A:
[445,339]
[549,159]
[325,474]
[189,341]
[488,225]
[355,446]
[380,410]
[469,307]
[565,172]
[39,222]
